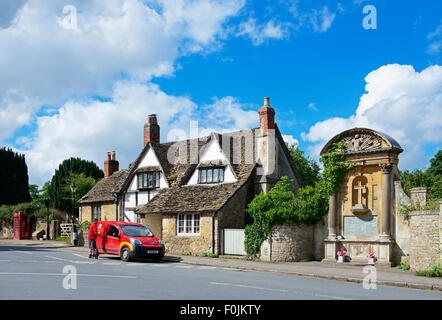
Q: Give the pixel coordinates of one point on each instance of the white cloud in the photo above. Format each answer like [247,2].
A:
[88,129]
[400,102]
[290,140]
[321,20]
[46,63]
[312,106]
[435,39]
[317,19]
[259,33]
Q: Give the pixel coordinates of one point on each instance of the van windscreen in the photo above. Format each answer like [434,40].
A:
[136,231]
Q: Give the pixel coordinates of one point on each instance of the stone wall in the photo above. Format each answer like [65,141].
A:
[320,232]
[288,243]
[108,212]
[6,230]
[424,239]
[86,213]
[195,244]
[154,223]
[401,224]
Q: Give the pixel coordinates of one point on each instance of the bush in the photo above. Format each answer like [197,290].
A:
[209,254]
[435,271]
[403,265]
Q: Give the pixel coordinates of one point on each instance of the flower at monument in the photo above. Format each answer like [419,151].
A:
[342,253]
[371,255]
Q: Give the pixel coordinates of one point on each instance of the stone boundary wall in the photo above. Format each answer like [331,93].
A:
[425,237]
[288,243]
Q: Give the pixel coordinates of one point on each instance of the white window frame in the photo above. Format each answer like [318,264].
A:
[145,177]
[191,224]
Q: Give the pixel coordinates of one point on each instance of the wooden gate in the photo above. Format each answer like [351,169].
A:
[234,242]
[65,229]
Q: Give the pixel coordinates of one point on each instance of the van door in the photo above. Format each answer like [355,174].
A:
[112,240]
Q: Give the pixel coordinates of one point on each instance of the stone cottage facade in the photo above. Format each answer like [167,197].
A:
[186,192]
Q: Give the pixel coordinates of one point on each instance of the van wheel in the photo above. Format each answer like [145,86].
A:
[125,254]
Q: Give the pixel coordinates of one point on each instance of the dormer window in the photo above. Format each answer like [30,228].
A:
[211,175]
[148,180]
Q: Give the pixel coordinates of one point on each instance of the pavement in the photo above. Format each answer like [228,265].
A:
[388,276]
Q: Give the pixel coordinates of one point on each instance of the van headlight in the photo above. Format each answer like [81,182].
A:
[160,242]
[135,241]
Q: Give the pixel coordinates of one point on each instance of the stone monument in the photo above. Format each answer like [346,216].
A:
[360,213]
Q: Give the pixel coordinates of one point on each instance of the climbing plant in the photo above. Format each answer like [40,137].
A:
[280,205]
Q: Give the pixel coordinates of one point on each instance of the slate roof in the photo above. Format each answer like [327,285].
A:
[102,191]
[196,198]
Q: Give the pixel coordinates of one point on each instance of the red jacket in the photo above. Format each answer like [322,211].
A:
[92,232]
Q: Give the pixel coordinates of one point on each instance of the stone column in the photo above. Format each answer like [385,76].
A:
[386,200]
[332,216]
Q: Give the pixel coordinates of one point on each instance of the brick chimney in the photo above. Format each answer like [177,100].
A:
[151,130]
[266,116]
[111,165]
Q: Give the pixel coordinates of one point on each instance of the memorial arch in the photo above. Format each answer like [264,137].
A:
[360,214]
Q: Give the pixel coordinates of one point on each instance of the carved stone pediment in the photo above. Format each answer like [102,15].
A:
[362,142]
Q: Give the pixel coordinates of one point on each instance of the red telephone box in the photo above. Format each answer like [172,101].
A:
[22,226]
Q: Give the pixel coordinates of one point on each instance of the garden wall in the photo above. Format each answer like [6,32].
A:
[425,239]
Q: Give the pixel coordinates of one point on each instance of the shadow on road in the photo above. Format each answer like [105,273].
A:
[29,248]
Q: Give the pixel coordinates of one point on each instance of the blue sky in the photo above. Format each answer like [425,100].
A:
[87,90]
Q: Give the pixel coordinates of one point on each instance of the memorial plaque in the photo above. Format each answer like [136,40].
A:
[361,226]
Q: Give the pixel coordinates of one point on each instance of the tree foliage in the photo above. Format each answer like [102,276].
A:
[280,205]
[83,183]
[13,178]
[430,177]
[307,167]
[59,194]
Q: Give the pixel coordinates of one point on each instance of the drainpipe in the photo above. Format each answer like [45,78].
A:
[116,205]
[213,232]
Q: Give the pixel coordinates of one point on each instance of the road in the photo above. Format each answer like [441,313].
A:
[37,273]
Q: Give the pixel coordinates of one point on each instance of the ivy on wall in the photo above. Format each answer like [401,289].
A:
[280,205]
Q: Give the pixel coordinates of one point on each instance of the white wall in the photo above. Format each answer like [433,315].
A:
[213,152]
[149,159]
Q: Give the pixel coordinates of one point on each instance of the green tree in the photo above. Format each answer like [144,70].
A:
[435,168]
[57,190]
[430,178]
[39,195]
[14,178]
[307,167]
[83,183]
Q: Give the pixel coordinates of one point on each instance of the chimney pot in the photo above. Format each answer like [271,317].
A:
[151,130]
[266,116]
[110,165]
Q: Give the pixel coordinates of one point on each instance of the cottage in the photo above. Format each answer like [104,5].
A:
[187,192]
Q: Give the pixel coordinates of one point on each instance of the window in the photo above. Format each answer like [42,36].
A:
[149,180]
[188,224]
[113,231]
[211,175]
[96,213]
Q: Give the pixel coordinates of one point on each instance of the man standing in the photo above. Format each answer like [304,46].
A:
[92,236]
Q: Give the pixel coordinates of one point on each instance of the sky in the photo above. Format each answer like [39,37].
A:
[78,78]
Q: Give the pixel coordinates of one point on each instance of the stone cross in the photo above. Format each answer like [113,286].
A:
[361,190]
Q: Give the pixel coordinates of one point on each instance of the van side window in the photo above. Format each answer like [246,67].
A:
[113,231]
